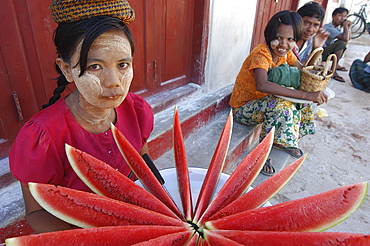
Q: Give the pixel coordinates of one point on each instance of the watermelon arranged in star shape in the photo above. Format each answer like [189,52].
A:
[123,213]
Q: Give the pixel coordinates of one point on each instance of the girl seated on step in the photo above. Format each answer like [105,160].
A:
[256,100]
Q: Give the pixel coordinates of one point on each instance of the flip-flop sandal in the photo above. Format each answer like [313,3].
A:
[339,78]
[268,164]
[342,69]
[291,150]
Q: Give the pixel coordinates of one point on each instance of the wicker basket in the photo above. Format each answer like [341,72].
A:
[315,77]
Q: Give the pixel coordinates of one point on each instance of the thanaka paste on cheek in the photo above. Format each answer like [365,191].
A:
[88,85]
[291,45]
[89,89]
[274,43]
[126,81]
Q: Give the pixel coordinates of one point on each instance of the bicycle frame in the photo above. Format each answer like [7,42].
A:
[359,22]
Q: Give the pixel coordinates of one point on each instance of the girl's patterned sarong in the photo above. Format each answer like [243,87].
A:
[292,120]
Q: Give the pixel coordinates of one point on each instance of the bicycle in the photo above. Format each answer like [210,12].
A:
[359,24]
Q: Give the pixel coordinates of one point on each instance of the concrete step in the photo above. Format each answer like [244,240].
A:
[10,195]
[11,204]
[197,111]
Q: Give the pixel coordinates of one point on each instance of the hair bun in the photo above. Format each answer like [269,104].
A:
[64,11]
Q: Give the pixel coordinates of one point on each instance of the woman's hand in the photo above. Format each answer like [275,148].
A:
[265,86]
[318,97]
[144,150]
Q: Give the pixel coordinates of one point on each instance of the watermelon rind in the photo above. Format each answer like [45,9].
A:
[213,238]
[242,177]
[258,196]
[142,170]
[99,236]
[104,180]
[174,239]
[314,213]
[215,169]
[275,238]
[86,209]
[181,164]
[365,192]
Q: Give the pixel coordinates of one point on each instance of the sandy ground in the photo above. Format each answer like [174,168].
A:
[339,151]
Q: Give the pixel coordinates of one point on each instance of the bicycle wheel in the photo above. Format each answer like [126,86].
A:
[358,26]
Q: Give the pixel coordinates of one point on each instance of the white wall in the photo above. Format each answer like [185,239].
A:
[231,27]
[329,11]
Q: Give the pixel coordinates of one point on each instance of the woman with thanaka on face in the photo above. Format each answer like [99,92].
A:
[95,50]
[253,97]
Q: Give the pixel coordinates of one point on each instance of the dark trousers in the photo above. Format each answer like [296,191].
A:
[334,47]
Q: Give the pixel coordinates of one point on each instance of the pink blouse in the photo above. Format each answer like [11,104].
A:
[38,153]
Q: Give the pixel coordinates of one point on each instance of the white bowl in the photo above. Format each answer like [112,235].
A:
[330,93]
[196,176]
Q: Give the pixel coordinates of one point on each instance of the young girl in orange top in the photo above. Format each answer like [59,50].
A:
[254,98]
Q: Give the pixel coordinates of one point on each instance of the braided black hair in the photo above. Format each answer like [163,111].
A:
[68,35]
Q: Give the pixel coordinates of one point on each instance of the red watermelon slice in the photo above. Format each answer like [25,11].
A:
[195,240]
[272,238]
[175,239]
[100,236]
[214,170]
[107,181]
[214,238]
[85,209]
[241,178]
[313,213]
[262,193]
[142,171]
[182,167]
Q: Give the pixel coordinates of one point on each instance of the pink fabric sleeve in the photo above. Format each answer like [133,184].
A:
[34,157]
